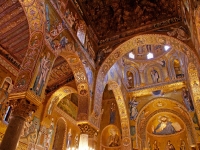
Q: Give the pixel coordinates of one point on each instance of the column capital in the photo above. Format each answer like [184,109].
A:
[22,108]
[88,129]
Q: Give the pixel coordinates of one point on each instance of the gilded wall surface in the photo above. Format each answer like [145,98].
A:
[89,79]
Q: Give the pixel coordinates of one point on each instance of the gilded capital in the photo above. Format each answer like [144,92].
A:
[22,108]
[88,129]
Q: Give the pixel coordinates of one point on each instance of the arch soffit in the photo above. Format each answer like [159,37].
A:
[124,48]
[33,11]
[36,28]
[60,93]
[114,86]
[78,69]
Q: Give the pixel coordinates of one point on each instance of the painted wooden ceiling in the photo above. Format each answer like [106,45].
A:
[60,74]
[114,19]
[14,29]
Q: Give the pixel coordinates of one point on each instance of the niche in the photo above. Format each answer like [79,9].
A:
[177,69]
[130,79]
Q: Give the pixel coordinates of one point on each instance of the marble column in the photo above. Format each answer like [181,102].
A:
[88,137]
[92,143]
[83,142]
[21,109]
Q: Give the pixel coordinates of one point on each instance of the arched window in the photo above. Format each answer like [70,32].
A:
[7,114]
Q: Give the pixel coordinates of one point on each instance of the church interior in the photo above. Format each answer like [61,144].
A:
[99,74]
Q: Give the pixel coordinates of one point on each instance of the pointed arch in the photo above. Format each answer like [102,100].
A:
[146,39]
[136,75]
[178,110]
[81,80]
[126,140]
[183,64]
[194,82]
[56,97]
[34,14]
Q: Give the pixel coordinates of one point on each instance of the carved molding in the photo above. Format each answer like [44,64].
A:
[28,95]
[132,44]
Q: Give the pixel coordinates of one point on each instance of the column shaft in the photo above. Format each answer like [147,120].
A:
[21,110]
[12,133]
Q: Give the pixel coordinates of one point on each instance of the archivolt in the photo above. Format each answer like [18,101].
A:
[126,140]
[59,95]
[141,123]
[124,48]
[33,12]
[81,80]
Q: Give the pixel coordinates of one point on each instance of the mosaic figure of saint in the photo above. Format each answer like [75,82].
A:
[133,108]
[42,73]
[182,146]
[165,127]
[130,79]
[170,146]
[187,99]
[69,138]
[112,113]
[49,134]
[154,75]
[113,139]
[155,146]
